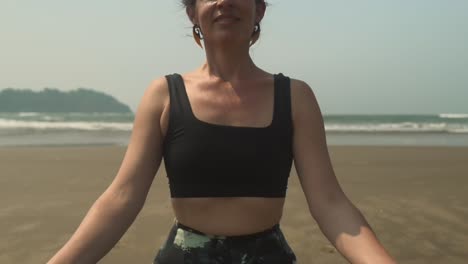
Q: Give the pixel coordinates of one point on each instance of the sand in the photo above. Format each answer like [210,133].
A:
[415,198]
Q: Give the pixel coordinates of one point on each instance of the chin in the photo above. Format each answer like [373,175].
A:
[226,38]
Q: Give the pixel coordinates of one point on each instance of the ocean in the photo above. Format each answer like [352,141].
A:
[65,129]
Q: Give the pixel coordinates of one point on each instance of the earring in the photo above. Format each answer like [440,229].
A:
[197,35]
[255,34]
[256,28]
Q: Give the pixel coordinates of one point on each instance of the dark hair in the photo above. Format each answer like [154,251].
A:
[187,3]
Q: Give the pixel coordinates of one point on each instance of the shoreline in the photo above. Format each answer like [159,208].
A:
[117,145]
[380,139]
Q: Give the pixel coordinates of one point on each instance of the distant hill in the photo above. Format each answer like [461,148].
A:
[53,100]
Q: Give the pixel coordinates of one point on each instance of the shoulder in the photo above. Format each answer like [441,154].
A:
[304,104]
[301,91]
[159,87]
[153,104]
[156,95]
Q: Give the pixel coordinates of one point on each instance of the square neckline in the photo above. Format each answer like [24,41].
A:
[207,124]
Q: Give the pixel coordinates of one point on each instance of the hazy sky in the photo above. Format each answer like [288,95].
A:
[363,56]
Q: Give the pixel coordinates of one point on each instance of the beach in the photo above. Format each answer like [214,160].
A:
[415,199]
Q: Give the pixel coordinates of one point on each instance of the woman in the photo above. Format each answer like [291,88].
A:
[228,132]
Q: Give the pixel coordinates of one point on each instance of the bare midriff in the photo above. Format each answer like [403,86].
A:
[228,216]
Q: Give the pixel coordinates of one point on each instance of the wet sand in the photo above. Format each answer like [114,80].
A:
[415,198]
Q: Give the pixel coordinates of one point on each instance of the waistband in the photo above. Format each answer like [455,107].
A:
[255,235]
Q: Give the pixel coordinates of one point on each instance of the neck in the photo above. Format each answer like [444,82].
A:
[228,62]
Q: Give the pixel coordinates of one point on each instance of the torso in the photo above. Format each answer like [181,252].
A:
[247,104]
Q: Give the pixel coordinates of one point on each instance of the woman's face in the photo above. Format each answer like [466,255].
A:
[226,20]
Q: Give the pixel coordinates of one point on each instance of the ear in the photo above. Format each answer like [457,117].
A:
[260,11]
[191,14]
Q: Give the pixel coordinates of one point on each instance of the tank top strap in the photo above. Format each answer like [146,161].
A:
[177,110]
[178,99]
[283,101]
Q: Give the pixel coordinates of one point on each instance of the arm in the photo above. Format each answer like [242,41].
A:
[116,209]
[339,220]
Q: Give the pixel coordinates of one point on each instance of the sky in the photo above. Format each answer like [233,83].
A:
[359,57]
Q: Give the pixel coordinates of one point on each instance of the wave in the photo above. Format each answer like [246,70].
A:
[68,117]
[54,123]
[459,130]
[87,126]
[453,116]
[399,127]
[27,114]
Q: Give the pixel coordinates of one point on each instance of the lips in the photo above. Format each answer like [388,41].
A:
[226,18]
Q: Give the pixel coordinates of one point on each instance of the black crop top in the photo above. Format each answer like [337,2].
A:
[211,160]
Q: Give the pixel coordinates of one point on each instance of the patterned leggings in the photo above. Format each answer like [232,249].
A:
[186,245]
